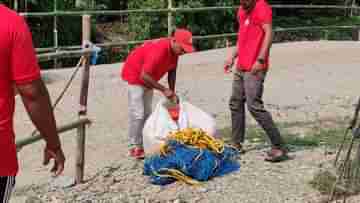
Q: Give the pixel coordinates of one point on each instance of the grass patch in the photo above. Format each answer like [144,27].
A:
[324,182]
[311,136]
[314,138]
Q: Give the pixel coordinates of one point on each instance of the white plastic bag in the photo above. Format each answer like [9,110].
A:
[199,119]
[160,124]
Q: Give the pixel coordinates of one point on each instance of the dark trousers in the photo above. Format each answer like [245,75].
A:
[7,184]
[248,88]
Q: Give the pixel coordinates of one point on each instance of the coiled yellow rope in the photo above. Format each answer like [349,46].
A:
[198,138]
[178,175]
[194,137]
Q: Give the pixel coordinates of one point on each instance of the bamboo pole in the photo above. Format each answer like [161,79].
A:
[30,140]
[170,18]
[356,34]
[165,10]
[44,50]
[16,5]
[334,27]
[353,3]
[62,54]
[56,40]
[80,155]
[96,12]
[77,53]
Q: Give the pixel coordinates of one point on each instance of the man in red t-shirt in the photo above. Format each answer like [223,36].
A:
[142,70]
[252,52]
[19,69]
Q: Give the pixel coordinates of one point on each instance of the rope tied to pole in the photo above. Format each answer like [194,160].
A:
[94,56]
[348,177]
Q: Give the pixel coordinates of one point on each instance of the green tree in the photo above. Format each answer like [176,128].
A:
[202,23]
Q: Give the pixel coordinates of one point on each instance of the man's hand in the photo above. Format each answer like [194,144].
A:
[59,160]
[257,67]
[16,92]
[169,93]
[228,64]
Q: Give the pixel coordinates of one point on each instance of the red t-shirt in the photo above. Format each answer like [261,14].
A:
[18,65]
[251,34]
[155,57]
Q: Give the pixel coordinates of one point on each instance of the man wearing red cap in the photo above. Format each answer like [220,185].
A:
[252,52]
[142,70]
[19,69]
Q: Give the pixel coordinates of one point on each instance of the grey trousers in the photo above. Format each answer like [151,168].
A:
[248,88]
[140,102]
[7,184]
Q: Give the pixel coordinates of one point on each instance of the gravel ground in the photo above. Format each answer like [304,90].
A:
[309,82]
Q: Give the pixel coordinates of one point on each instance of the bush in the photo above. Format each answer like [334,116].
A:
[203,23]
[154,25]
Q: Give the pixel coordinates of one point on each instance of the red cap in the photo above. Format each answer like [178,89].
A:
[184,38]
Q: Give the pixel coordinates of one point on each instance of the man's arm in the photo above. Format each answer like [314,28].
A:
[16,92]
[150,82]
[37,102]
[266,45]
[234,53]
[231,58]
[38,105]
[265,48]
[25,74]
[172,79]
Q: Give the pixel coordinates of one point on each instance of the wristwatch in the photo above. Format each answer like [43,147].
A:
[261,61]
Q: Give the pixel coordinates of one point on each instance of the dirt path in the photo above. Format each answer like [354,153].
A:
[308,82]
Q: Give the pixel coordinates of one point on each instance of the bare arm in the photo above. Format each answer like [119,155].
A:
[172,79]
[37,103]
[234,53]
[150,82]
[264,50]
[266,45]
[16,92]
[230,59]
[25,74]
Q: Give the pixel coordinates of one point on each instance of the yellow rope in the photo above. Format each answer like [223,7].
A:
[164,149]
[178,175]
[198,138]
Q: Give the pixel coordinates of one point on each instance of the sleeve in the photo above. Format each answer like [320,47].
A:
[24,64]
[265,14]
[151,62]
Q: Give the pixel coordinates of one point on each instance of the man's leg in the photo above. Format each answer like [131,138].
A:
[254,87]
[148,97]
[136,114]
[6,186]
[237,108]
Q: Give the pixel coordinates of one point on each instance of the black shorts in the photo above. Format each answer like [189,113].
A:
[6,186]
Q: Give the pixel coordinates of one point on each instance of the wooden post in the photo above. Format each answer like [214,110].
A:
[80,155]
[353,4]
[16,5]
[56,40]
[170,18]
[356,34]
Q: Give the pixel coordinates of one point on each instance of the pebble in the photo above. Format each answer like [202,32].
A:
[33,199]
[61,182]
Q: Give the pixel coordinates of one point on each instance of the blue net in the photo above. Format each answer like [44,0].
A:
[198,164]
